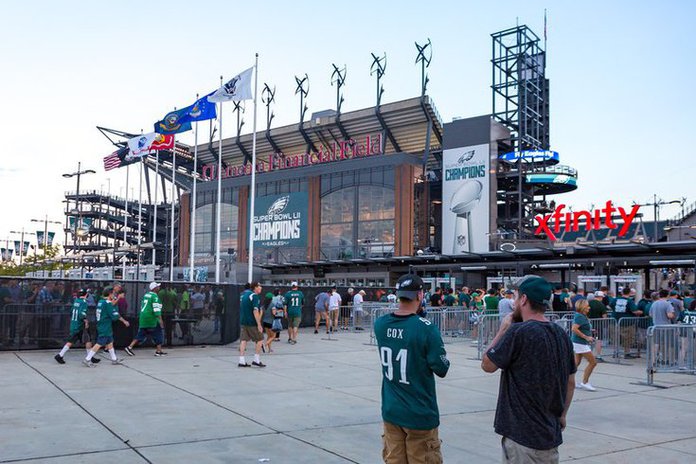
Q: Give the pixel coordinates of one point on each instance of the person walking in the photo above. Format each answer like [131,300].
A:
[334,306]
[358,301]
[106,315]
[321,309]
[79,325]
[150,324]
[250,318]
[599,311]
[268,317]
[537,381]
[294,299]
[582,341]
[411,352]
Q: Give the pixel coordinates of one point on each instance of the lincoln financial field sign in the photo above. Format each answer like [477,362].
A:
[280,220]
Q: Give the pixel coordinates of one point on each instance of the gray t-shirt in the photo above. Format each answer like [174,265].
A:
[536,359]
[505,307]
[322,301]
[659,310]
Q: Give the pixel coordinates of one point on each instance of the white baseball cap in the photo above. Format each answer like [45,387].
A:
[293,284]
[154,285]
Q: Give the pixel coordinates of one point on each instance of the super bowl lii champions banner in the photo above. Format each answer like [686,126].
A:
[465,199]
[280,220]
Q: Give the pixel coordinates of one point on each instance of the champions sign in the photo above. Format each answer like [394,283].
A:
[280,220]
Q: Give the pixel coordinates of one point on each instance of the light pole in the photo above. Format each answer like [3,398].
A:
[78,203]
[46,223]
[21,243]
[656,204]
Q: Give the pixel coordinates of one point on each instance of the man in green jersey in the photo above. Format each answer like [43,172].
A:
[294,299]
[411,351]
[106,313]
[250,318]
[150,324]
[78,327]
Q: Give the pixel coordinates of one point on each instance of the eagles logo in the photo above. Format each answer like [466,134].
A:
[279,205]
[466,156]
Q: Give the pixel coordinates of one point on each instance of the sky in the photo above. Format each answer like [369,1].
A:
[621,81]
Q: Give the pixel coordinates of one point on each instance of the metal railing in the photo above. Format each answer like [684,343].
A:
[670,349]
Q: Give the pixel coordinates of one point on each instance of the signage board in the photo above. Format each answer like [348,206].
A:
[280,220]
[466,199]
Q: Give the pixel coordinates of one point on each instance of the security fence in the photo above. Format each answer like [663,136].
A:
[670,349]
[37,315]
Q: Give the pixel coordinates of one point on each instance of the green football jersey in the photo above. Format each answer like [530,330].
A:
[78,315]
[107,313]
[248,301]
[688,317]
[294,299]
[411,351]
[150,311]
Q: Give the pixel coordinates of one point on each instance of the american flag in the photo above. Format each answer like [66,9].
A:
[115,159]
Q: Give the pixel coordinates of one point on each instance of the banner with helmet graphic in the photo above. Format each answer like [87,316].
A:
[280,220]
[466,200]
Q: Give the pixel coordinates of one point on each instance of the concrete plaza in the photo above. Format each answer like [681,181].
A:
[316,402]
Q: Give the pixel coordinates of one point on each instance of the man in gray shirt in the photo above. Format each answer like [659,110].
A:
[321,309]
[505,305]
[662,311]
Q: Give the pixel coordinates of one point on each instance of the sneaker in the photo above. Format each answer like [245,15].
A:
[129,351]
[629,356]
[294,342]
[588,386]
[258,364]
[160,353]
[316,331]
[290,341]
[96,360]
[59,359]
[243,365]
[599,359]
[117,361]
[359,328]
[88,363]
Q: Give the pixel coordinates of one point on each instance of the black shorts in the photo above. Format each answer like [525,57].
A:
[267,325]
[81,336]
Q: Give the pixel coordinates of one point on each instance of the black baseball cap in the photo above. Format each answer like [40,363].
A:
[408,286]
[536,288]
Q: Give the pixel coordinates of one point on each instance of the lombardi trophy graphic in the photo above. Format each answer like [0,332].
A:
[463,202]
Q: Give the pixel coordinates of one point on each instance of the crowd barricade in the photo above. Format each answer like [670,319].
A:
[455,323]
[630,337]
[670,349]
[604,333]
[30,325]
[374,311]
[486,328]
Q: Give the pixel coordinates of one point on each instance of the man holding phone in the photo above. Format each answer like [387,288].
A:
[538,376]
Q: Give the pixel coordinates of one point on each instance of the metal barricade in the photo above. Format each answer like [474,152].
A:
[630,337]
[604,332]
[374,311]
[670,349]
[486,328]
[455,324]
[27,326]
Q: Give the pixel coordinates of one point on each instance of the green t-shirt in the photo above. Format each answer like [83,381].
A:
[450,300]
[464,299]
[491,302]
[168,298]
[185,300]
[78,315]
[597,309]
[150,311]
[294,299]
[107,313]
[623,307]
[411,351]
[585,327]
[248,301]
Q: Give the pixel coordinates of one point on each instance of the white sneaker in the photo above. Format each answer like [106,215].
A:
[588,386]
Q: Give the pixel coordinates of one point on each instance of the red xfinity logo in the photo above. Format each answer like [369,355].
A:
[550,224]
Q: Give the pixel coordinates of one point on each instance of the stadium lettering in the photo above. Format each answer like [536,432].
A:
[468,172]
[550,224]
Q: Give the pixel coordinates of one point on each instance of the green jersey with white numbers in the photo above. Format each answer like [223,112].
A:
[150,311]
[107,313]
[78,315]
[688,317]
[411,351]
[294,299]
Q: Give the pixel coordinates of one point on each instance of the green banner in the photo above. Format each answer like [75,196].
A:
[280,220]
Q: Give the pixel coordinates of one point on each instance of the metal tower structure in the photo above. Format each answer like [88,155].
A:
[521,103]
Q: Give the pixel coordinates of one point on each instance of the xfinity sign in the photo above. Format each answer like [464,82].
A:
[552,224]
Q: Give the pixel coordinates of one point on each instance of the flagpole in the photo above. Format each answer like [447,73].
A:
[193,204]
[171,240]
[219,198]
[154,220]
[253,176]
[140,217]
[125,224]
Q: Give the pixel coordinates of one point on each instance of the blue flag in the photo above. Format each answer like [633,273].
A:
[202,110]
[174,122]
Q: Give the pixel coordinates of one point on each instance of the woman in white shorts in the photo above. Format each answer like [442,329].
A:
[582,343]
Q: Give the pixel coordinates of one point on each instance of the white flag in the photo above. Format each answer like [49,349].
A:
[236,89]
[140,146]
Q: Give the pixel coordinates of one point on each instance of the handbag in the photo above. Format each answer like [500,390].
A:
[277,325]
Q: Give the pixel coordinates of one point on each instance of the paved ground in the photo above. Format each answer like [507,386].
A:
[316,402]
